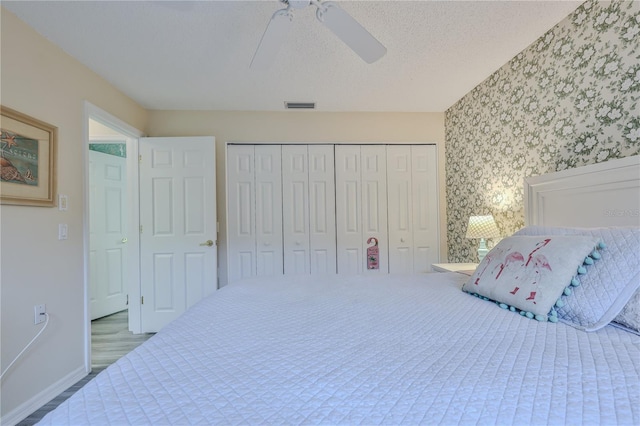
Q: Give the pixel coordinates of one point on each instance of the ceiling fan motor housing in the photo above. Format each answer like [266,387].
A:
[297,4]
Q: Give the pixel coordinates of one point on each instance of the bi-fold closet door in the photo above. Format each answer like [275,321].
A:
[388,193]
[412,196]
[361,201]
[281,210]
[254,205]
[308,215]
[311,209]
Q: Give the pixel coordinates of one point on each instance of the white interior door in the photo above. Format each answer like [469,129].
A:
[348,209]
[413,208]
[322,209]
[268,202]
[424,177]
[108,251]
[178,247]
[400,209]
[374,203]
[241,217]
[295,213]
[361,206]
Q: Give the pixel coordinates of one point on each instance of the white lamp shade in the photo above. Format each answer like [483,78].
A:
[482,227]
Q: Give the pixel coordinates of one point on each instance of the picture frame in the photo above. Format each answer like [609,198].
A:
[28,160]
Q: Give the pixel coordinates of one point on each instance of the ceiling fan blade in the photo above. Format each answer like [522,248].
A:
[350,32]
[272,39]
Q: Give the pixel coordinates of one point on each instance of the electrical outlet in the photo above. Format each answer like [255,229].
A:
[39,312]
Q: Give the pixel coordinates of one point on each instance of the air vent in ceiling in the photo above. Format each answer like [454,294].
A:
[299,105]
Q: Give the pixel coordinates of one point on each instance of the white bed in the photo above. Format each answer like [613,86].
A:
[362,350]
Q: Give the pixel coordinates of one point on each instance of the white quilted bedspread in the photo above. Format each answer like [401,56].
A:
[391,350]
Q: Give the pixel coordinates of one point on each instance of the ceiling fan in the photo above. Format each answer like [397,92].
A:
[328,13]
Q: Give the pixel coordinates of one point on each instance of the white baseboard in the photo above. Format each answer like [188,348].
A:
[41,398]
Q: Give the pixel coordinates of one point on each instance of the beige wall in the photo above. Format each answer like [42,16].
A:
[302,127]
[40,80]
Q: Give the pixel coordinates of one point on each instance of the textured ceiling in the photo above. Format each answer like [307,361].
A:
[196,55]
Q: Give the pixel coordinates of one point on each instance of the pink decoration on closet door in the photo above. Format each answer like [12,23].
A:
[373,254]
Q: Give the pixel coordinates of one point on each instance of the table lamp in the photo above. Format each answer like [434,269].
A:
[482,227]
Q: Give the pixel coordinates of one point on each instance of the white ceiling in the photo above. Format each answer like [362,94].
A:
[196,55]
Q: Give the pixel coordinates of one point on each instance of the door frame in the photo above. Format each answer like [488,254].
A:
[133,275]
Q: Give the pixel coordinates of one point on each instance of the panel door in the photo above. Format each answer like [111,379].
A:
[108,251]
[348,209]
[400,208]
[178,252]
[361,206]
[295,213]
[374,204]
[241,217]
[424,176]
[322,217]
[268,207]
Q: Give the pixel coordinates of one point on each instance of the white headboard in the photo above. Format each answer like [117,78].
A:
[604,194]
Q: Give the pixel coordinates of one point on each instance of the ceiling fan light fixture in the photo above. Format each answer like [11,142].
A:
[299,105]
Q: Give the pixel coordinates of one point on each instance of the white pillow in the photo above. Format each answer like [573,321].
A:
[630,315]
[611,283]
[531,273]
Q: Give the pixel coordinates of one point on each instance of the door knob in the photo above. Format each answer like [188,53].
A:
[207,243]
[124,240]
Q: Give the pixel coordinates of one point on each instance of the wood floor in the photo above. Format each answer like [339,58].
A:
[110,340]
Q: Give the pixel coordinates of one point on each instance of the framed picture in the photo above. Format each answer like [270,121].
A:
[28,150]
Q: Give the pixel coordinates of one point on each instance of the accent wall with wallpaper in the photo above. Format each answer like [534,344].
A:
[568,100]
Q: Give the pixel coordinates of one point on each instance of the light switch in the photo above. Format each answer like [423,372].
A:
[62,202]
[62,231]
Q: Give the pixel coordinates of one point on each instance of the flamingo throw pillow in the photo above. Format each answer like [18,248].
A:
[606,293]
[531,274]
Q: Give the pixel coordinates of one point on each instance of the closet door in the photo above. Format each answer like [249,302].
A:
[348,209]
[322,201]
[295,209]
[374,203]
[241,236]
[361,206]
[400,209]
[424,177]
[268,202]
[413,208]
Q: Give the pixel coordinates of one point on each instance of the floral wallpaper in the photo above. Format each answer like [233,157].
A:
[569,99]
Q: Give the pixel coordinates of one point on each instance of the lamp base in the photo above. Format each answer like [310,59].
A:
[482,250]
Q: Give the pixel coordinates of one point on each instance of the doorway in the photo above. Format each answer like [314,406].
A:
[108,224]
[111,240]
[187,186]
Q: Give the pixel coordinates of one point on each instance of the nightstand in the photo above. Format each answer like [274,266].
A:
[465,268]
